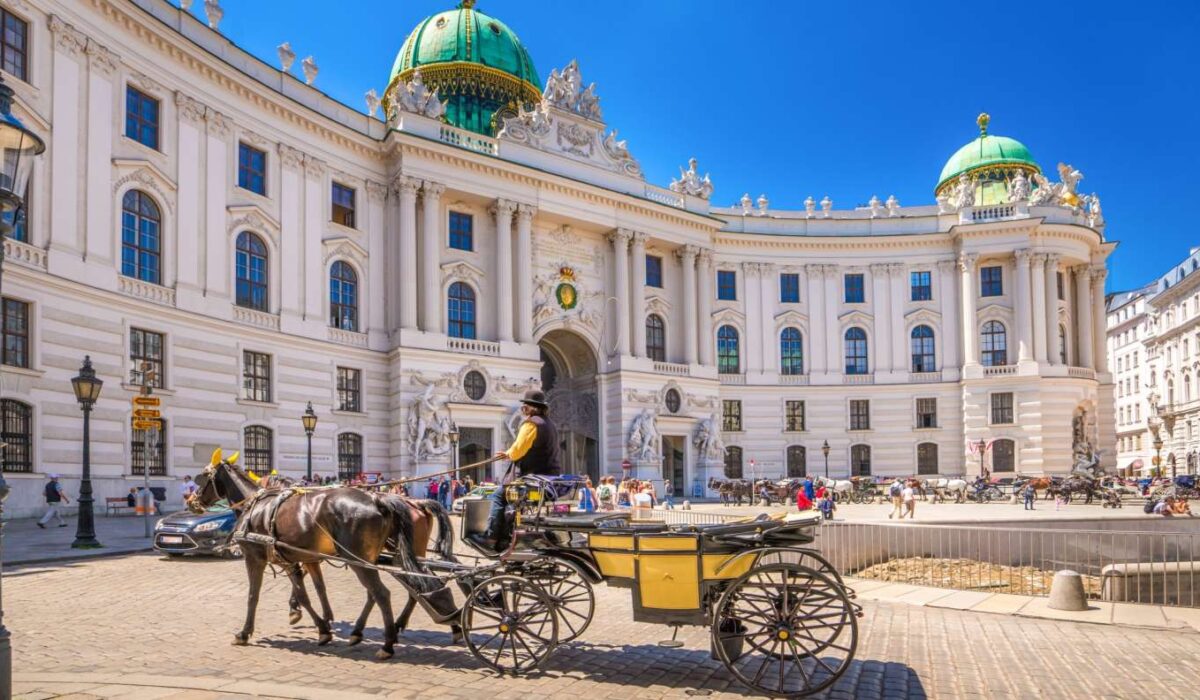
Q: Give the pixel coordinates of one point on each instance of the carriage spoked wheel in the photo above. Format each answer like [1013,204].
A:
[805,557]
[509,624]
[571,594]
[785,630]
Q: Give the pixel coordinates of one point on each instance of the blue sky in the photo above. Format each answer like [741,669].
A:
[843,99]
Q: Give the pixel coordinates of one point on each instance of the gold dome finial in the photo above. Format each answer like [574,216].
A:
[467,4]
[982,120]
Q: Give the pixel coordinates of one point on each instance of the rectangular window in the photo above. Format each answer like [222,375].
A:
[256,376]
[731,416]
[141,117]
[1002,408]
[926,413]
[1058,276]
[794,416]
[349,389]
[16,432]
[789,288]
[343,205]
[16,333]
[991,281]
[462,231]
[654,271]
[922,286]
[860,414]
[727,285]
[854,289]
[146,348]
[14,45]
[252,169]
[148,450]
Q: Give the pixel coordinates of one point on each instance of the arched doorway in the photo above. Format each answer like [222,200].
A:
[569,370]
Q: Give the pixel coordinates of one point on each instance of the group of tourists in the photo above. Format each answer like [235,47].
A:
[446,490]
[628,493]
[1169,506]
[810,495]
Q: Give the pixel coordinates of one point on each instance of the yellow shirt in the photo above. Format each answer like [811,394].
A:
[525,438]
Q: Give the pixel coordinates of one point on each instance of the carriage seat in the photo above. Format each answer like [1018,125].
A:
[586,521]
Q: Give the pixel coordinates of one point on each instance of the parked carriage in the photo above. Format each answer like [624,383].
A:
[863,489]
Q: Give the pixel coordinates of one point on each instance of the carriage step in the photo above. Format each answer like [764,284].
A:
[254,537]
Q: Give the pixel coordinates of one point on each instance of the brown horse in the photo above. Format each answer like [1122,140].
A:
[287,527]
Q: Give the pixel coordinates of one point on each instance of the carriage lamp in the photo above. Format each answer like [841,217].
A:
[825,451]
[309,419]
[87,391]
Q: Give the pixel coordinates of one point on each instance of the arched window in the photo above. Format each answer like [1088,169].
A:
[797,462]
[1003,455]
[148,449]
[1062,345]
[927,458]
[728,353]
[791,352]
[461,307]
[860,460]
[856,351]
[251,265]
[923,358]
[257,449]
[343,296]
[995,345]
[656,338]
[733,462]
[16,431]
[350,455]
[141,244]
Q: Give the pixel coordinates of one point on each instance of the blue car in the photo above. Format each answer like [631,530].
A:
[186,532]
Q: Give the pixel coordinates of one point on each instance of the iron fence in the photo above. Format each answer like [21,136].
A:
[1123,566]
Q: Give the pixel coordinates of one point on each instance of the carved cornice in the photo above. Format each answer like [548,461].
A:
[189,109]
[1023,255]
[101,59]
[619,238]
[1052,259]
[639,239]
[218,125]
[314,167]
[526,212]
[503,209]
[966,262]
[290,157]
[406,186]
[146,83]
[67,38]
[879,269]
[1083,270]
[705,258]
[687,254]
[429,188]
[376,191]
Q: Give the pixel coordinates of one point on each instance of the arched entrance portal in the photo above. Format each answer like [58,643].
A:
[569,380]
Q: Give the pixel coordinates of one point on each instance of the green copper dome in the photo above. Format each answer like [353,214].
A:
[478,65]
[987,157]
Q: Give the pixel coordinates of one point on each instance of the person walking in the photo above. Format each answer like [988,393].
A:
[431,489]
[587,497]
[910,502]
[668,495]
[55,499]
[607,493]
[1028,493]
[896,492]
[809,489]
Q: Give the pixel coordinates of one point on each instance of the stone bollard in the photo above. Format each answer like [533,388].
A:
[1066,592]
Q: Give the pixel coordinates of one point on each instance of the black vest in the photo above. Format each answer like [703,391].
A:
[542,457]
[52,495]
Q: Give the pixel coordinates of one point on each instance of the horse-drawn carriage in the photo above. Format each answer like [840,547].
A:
[780,618]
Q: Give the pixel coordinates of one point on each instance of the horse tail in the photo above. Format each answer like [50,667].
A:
[444,545]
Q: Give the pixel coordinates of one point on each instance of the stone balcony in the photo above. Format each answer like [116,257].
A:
[473,347]
[146,290]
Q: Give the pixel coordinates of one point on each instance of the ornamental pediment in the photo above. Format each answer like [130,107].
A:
[993,312]
[729,315]
[460,270]
[142,174]
[855,317]
[344,247]
[917,316]
[657,304]
[791,318]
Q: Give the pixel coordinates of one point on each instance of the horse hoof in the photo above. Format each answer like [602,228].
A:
[240,640]
[293,617]
[324,639]
[383,655]
[355,639]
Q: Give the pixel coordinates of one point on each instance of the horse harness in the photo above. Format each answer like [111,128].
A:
[272,500]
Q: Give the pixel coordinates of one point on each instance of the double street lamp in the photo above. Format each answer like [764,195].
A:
[18,148]
[309,419]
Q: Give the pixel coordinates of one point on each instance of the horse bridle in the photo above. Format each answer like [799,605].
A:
[209,477]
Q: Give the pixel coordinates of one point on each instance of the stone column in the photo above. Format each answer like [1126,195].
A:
[687,261]
[525,214]
[637,305]
[376,320]
[768,298]
[815,282]
[949,334]
[431,254]
[406,251]
[1022,302]
[100,240]
[704,321]
[65,146]
[187,225]
[1099,320]
[880,290]
[1038,277]
[1083,315]
[831,329]
[218,256]
[620,243]
[291,218]
[897,298]
[970,325]
[1053,348]
[751,352]
[503,210]
[316,194]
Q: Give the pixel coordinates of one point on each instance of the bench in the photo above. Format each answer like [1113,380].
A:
[116,504]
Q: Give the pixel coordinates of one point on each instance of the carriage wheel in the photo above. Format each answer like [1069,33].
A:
[785,630]
[571,593]
[509,624]
[803,556]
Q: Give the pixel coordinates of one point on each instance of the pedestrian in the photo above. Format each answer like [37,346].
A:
[668,495]
[1029,492]
[910,502]
[623,499]
[55,498]
[607,493]
[131,497]
[587,497]
[896,492]
[803,502]
[187,488]
[431,489]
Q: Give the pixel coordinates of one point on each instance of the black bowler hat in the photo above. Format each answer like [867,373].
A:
[535,398]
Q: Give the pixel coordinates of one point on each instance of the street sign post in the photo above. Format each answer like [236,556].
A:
[146,413]
[146,400]
[151,424]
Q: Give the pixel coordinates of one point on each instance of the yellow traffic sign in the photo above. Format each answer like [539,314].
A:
[147,424]
[146,413]
[146,401]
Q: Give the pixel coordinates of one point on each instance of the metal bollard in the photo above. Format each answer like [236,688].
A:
[1066,592]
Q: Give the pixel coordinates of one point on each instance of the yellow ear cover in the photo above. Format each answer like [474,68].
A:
[216,457]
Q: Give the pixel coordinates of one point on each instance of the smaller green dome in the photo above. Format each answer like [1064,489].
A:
[987,152]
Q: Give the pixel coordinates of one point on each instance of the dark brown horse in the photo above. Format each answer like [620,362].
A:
[304,527]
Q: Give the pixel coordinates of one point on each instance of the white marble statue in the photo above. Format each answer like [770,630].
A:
[1095,213]
[707,439]
[1045,191]
[690,182]
[747,204]
[616,149]
[964,192]
[415,97]
[893,205]
[810,206]
[762,204]
[372,98]
[826,206]
[874,204]
[286,56]
[310,68]
[428,426]
[643,437]
[565,90]
[1018,187]
[1070,178]
[944,204]
[214,13]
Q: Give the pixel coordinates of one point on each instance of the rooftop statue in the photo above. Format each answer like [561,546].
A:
[414,97]
[1018,187]
[1061,194]
[690,182]
[964,192]
[565,90]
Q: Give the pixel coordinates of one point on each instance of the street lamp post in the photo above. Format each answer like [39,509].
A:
[825,451]
[454,435]
[87,390]
[1158,445]
[309,419]
[18,148]
[982,445]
